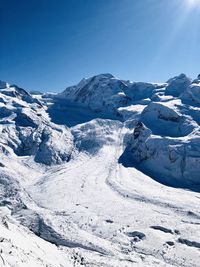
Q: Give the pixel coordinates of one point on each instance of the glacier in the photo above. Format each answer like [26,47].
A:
[105,173]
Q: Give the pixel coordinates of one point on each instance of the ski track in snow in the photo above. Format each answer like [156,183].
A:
[96,190]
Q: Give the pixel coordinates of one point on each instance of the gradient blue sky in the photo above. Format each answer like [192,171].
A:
[50,44]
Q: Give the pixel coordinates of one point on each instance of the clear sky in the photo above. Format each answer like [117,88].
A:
[50,44]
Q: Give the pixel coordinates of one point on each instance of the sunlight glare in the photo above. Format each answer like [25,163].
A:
[193,2]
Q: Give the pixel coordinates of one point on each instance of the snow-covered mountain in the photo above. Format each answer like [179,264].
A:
[105,173]
[105,92]
[27,129]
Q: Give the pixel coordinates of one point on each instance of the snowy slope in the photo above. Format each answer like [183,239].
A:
[26,128]
[106,92]
[20,247]
[170,110]
[104,174]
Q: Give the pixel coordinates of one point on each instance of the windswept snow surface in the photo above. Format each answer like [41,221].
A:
[104,174]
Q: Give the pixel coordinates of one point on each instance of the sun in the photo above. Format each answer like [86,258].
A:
[193,2]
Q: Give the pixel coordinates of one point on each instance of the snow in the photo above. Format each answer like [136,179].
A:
[192,93]
[177,85]
[26,128]
[20,247]
[104,174]
[167,120]
[105,92]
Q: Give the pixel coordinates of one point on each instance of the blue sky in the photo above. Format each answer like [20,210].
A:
[50,44]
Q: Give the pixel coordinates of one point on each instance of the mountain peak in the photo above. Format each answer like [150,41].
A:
[3,84]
